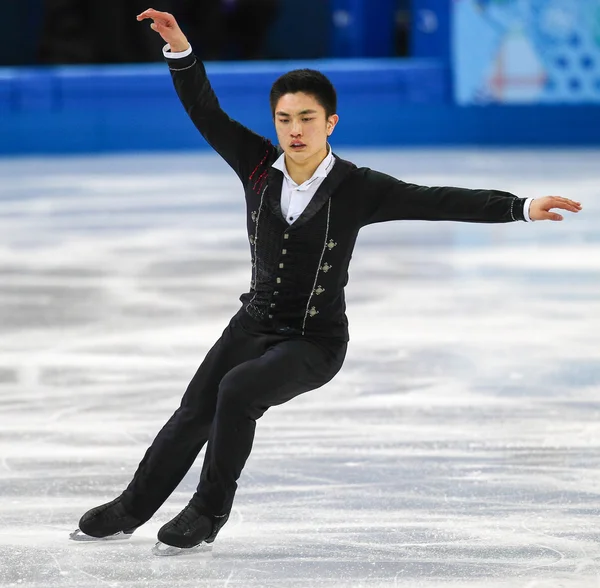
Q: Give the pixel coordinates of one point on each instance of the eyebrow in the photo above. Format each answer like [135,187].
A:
[308,111]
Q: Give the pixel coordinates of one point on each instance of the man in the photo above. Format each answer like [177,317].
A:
[305,207]
[229,29]
[73,31]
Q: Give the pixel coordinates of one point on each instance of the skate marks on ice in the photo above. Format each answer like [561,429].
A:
[457,447]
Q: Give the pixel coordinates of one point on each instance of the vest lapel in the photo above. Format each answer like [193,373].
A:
[274,192]
[335,177]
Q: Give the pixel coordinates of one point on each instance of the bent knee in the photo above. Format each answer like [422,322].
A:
[240,397]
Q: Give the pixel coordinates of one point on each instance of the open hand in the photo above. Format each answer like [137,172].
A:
[540,207]
[166,26]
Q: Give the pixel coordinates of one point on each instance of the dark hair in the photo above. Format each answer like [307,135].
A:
[310,82]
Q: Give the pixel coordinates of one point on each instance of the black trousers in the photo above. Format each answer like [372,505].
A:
[247,371]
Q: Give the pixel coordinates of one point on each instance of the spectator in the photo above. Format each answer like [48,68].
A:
[74,31]
[229,29]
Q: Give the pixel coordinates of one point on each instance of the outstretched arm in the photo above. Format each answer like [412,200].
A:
[386,198]
[241,148]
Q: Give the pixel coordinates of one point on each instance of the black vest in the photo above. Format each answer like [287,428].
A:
[299,271]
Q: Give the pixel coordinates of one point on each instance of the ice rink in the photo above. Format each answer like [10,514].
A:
[458,447]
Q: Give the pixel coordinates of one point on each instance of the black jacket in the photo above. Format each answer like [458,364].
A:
[299,271]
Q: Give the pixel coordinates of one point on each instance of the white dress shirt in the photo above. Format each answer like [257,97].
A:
[176,55]
[295,198]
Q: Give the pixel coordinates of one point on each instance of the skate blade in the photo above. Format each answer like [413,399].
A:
[164,550]
[78,535]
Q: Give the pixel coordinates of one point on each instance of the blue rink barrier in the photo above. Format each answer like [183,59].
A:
[382,102]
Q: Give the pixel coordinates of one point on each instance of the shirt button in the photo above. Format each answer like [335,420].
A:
[279,280]
[281,266]
[286,235]
[291,218]
[284,252]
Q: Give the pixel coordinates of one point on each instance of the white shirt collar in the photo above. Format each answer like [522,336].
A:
[321,172]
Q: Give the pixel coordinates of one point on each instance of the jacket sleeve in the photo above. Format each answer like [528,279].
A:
[240,147]
[386,198]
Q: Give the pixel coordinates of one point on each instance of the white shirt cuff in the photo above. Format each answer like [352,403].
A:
[172,55]
[526,210]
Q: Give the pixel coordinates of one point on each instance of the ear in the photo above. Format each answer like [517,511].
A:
[331,122]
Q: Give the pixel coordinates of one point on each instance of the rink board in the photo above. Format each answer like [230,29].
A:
[381,102]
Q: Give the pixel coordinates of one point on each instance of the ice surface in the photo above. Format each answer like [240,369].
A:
[458,447]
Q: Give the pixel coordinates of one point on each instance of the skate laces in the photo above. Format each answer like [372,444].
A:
[186,517]
[116,513]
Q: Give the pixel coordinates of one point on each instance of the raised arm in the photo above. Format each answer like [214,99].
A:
[387,198]
[241,148]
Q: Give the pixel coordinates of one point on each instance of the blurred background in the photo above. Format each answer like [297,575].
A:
[79,77]
[91,31]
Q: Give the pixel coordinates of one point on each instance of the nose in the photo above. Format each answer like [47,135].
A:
[296,129]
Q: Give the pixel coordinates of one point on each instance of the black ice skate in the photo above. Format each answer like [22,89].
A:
[189,531]
[106,522]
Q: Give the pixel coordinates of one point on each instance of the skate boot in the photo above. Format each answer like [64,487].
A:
[106,522]
[188,531]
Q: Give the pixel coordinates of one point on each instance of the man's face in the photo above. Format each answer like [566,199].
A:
[302,127]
